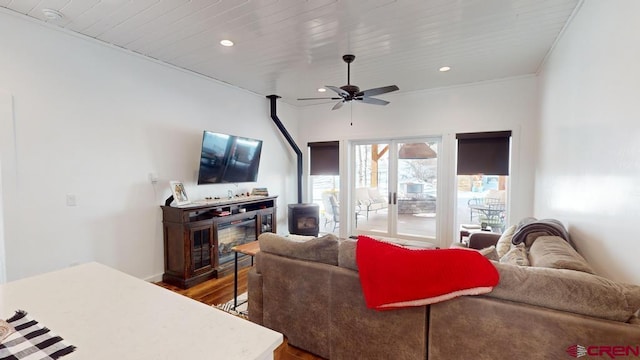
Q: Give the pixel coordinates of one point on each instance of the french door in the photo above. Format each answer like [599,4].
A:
[394,187]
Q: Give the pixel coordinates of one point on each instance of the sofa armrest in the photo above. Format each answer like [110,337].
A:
[483,239]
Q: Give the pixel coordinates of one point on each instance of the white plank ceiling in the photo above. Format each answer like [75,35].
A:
[293,47]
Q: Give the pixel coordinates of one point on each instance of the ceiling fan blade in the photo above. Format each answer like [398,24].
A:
[338,105]
[322,98]
[377,91]
[338,90]
[374,101]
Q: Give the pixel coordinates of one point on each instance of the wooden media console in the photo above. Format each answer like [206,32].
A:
[198,237]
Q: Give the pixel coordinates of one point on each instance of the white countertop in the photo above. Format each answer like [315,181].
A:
[111,315]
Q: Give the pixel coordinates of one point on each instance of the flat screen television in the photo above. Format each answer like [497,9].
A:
[228,159]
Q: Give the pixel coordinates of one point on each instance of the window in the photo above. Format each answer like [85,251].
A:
[324,171]
[482,181]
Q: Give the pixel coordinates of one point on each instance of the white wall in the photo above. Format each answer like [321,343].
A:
[94,121]
[7,157]
[509,104]
[588,173]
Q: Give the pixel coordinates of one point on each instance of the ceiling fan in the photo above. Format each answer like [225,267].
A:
[351,92]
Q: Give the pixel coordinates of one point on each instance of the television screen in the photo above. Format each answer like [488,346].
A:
[228,159]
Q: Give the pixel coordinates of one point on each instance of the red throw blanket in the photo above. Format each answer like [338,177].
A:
[393,276]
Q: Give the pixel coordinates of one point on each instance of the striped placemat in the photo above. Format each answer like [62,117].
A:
[21,337]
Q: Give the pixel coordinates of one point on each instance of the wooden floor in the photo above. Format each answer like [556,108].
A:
[219,291]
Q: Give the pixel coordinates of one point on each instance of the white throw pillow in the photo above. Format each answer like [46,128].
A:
[504,243]
[490,253]
[516,256]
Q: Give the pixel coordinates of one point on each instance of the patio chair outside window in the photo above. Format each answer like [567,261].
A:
[331,210]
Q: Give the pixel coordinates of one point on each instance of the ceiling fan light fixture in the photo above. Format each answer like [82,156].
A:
[226,42]
[444,68]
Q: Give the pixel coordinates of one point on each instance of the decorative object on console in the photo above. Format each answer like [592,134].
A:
[262,191]
[179,194]
[393,276]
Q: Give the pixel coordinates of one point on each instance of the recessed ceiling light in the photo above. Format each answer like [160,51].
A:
[51,14]
[226,42]
[445,68]
[322,90]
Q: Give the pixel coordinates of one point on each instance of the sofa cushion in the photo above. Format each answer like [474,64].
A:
[555,252]
[322,249]
[567,290]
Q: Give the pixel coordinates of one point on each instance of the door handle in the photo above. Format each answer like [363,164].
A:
[395,198]
[389,198]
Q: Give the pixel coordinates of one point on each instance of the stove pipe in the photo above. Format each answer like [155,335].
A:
[292,143]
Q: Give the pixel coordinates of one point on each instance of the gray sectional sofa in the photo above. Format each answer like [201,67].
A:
[310,292]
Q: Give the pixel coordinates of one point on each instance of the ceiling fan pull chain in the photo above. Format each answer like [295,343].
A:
[351,106]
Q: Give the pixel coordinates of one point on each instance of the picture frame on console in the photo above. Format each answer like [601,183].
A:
[179,194]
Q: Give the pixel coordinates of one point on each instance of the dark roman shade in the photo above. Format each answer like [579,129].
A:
[483,153]
[324,158]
